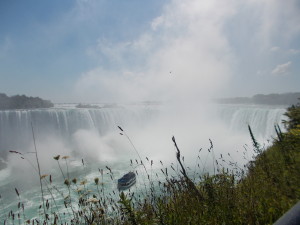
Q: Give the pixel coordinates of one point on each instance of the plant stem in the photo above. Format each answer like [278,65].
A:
[39,170]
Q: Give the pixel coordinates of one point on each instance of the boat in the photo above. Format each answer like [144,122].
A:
[128,180]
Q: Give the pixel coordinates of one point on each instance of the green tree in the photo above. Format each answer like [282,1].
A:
[293,114]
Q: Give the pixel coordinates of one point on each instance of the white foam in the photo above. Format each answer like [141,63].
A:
[4,175]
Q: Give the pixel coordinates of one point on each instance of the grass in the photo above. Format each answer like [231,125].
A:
[258,193]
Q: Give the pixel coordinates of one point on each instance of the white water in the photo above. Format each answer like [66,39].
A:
[92,135]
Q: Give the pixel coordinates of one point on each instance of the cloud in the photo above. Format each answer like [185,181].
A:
[282,69]
[294,51]
[157,22]
[278,21]
[274,49]
[101,85]
[187,39]
[201,42]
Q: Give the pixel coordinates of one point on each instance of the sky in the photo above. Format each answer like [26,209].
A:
[139,50]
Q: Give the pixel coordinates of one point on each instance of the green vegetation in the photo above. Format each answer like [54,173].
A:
[293,114]
[23,102]
[259,193]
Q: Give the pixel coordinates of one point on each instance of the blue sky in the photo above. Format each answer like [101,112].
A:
[135,50]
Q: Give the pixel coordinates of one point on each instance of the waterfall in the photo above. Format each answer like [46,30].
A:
[15,125]
[94,133]
[64,120]
[261,118]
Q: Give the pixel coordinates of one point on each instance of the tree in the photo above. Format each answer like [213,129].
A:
[293,114]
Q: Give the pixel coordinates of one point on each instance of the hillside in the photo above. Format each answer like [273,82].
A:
[270,99]
[23,102]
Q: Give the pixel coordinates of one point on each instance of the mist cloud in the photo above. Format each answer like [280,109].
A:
[282,69]
[183,54]
[192,49]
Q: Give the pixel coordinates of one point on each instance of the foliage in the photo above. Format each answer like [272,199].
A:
[23,102]
[293,114]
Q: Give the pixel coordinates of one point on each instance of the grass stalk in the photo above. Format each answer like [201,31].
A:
[40,175]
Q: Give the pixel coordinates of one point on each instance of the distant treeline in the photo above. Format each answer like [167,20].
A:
[87,106]
[270,99]
[23,102]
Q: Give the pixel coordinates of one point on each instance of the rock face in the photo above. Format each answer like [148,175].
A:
[23,102]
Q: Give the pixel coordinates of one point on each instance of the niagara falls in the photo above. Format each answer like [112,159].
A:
[149,112]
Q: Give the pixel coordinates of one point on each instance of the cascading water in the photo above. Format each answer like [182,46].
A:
[15,125]
[262,119]
[68,123]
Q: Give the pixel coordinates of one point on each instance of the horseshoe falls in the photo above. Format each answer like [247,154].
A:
[64,121]
[91,135]
[261,118]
